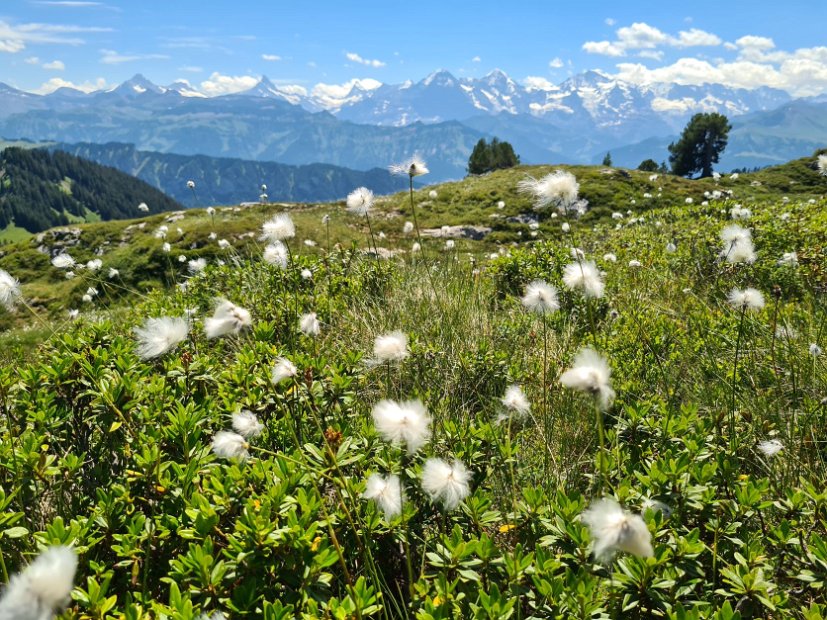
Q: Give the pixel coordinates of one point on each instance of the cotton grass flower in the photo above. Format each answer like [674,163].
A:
[747,299]
[610,258]
[770,447]
[284,369]
[590,373]
[821,164]
[635,264]
[414,167]
[63,261]
[446,482]
[227,319]
[406,422]
[309,324]
[197,265]
[246,424]
[42,588]
[113,273]
[613,529]
[738,247]
[386,492]
[9,290]
[276,254]
[392,347]
[515,400]
[94,265]
[584,276]
[407,229]
[540,297]
[143,207]
[814,349]
[359,201]
[278,228]
[159,336]
[558,188]
[228,445]
[789,259]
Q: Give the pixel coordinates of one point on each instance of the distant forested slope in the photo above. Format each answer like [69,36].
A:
[39,190]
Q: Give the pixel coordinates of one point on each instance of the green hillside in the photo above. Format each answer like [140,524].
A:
[39,190]
[409,437]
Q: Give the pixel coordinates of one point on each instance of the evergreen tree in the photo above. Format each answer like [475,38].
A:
[495,156]
[648,165]
[607,161]
[703,139]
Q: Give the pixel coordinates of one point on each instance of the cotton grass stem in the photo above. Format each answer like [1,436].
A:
[735,380]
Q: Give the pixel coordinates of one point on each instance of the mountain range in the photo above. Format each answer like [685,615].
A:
[439,117]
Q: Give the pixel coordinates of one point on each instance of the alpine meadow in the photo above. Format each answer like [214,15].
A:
[490,380]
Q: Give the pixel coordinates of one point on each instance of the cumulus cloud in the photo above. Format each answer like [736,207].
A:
[641,36]
[55,65]
[801,73]
[353,57]
[56,82]
[218,84]
[334,95]
[533,82]
[555,63]
[609,21]
[32,60]
[111,57]
[476,59]
[270,57]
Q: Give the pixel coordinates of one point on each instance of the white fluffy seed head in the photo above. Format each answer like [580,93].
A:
[386,492]
[284,369]
[158,336]
[276,254]
[392,347]
[9,290]
[227,319]
[407,228]
[406,422]
[246,424]
[278,228]
[229,445]
[821,164]
[309,324]
[63,261]
[789,259]
[515,400]
[590,373]
[540,297]
[584,276]
[558,188]
[770,447]
[359,201]
[747,299]
[445,482]
[613,529]
[197,265]
[42,588]
[414,167]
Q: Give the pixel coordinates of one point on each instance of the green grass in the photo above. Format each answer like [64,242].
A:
[13,234]
[112,454]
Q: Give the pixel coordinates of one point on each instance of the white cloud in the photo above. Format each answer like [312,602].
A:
[730,46]
[476,59]
[604,48]
[533,82]
[191,69]
[55,65]
[32,60]
[270,57]
[335,95]
[697,38]
[353,57]
[755,42]
[70,3]
[555,63]
[642,36]
[609,21]
[219,84]
[56,82]
[651,54]
[111,57]
[14,38]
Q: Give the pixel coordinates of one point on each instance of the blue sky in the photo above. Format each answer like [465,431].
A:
[225,46]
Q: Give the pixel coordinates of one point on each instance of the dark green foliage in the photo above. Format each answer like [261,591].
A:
[39,190]
[648,165]
[494,156]
[701,143]
[607,160]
